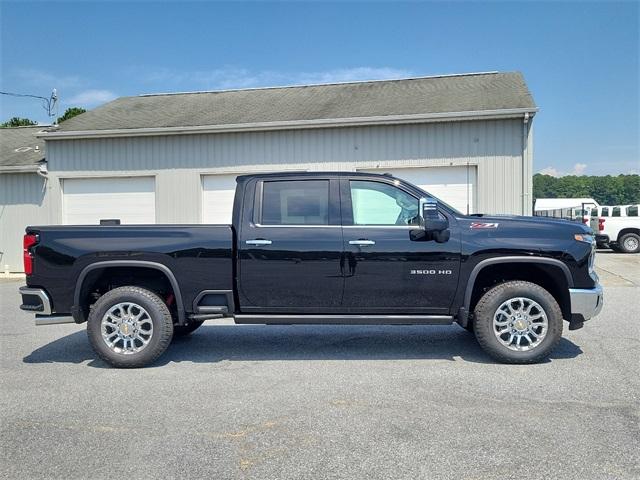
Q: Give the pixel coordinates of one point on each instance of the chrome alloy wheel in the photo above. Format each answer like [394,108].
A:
[630,243]
[126,328]
[520,324]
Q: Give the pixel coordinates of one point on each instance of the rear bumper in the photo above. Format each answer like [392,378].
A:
[586,303]
[36,300]
[602,239]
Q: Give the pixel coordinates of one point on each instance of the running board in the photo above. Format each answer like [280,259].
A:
[345,319]
[53,320]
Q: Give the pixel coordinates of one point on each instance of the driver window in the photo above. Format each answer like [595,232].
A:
[376,203]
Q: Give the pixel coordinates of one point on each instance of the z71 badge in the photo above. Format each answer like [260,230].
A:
[475,225]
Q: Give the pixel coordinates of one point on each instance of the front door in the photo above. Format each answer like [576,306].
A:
[290,252]
[385,271]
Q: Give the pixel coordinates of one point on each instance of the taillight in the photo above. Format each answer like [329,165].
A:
[28,241]
[601,224]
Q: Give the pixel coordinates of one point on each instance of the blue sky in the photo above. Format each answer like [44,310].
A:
[580,59]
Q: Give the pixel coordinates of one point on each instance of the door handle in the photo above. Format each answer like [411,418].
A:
[362,242]
[258,241]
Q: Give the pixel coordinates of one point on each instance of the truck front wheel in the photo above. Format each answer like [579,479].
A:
[129,327]
[518,322]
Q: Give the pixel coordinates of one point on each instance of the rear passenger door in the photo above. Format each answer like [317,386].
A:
[290,247]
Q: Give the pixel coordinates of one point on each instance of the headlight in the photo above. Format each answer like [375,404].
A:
[583,237]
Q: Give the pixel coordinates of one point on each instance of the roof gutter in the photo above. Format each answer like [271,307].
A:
[292,124]
[19,168]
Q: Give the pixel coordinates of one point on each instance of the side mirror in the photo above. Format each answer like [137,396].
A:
[434,225]
[430,219]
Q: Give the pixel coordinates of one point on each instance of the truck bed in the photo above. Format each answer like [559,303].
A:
[199,256]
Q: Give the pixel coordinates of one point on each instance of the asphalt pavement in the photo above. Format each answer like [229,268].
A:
[303,402]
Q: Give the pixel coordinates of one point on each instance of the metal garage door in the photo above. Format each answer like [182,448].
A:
[453,185]
[87,200]
[217,198]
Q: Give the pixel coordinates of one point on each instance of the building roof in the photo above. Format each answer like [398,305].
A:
[20,148]
[310,105]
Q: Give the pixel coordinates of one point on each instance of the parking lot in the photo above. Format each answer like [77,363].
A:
[326,402]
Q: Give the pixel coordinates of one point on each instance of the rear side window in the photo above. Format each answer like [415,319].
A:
[302,202]
[632,211]
[615,212]
[605,212]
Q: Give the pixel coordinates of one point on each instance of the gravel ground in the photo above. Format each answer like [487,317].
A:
[325,402]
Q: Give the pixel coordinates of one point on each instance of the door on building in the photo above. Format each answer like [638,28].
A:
[86,201]
[453,185]
[388,272]
[218,192]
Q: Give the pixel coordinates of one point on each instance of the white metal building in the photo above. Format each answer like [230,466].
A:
[173,158]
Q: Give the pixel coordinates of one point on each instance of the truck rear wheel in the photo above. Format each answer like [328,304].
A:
[518,322]
[129,327]
[629,243]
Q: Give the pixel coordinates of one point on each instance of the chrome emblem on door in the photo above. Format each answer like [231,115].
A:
[431,272]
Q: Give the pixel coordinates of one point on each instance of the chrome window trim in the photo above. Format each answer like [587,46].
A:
[403,227]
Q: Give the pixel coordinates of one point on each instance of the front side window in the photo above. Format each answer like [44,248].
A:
[376,203]
[302,202]
[632,211]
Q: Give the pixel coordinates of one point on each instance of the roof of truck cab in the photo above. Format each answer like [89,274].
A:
[312,174]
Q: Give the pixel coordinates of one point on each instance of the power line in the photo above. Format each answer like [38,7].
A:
[49,104]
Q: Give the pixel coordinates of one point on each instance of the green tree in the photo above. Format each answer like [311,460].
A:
[606,190]
[18,122]
[70,113]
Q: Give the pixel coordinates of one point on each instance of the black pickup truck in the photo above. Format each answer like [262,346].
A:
[317,248]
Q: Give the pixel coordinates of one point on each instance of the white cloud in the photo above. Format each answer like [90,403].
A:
[234,77]
[550,171]
[579,168]
[90,98]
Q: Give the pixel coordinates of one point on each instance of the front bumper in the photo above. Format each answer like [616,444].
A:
[586,303]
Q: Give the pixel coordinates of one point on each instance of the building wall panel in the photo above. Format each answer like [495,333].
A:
[179,161]
[22,203]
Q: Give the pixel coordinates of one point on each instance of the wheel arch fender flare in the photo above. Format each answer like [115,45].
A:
[132,263]
[513,259]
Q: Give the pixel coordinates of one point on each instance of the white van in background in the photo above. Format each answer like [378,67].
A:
[617,226]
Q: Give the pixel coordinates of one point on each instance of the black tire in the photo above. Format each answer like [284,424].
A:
[158,313]
[184,330]
[489,304]
[629,238]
